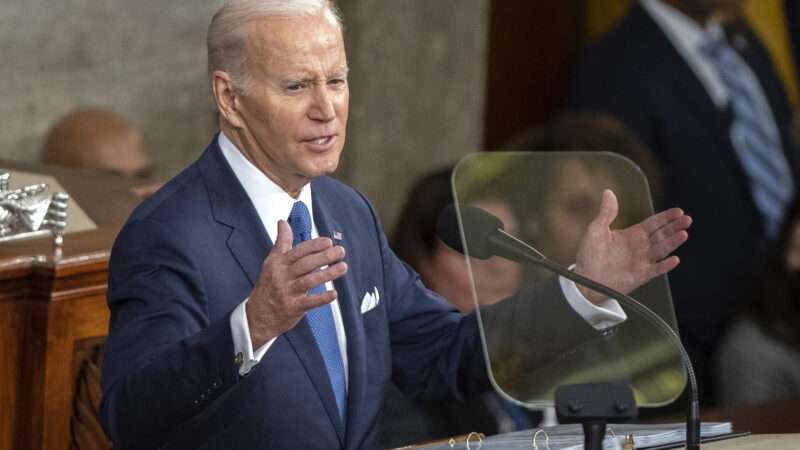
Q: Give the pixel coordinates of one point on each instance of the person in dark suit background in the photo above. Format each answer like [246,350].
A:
[688,77]
[232,329]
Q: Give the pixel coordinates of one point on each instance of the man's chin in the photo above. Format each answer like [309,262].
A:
[323,168]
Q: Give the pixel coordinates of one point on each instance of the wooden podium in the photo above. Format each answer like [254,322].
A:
[53,311]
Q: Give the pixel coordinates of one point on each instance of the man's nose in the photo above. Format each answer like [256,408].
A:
[322,107]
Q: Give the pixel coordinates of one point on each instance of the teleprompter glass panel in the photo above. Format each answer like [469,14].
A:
[534,340]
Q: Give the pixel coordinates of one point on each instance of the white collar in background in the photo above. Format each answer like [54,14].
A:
[272,203]
[687,36]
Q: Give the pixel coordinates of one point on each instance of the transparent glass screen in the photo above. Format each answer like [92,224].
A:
[533,337]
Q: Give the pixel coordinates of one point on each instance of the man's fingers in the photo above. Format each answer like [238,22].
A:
[308,247]
[656,221]
[664,266]
[314,261]
[680,223]
[283,242]
[310,302]
[666,246]
[608,210]
[317,278]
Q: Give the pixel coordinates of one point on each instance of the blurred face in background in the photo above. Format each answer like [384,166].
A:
[568,206]
[495,278]
[98,139]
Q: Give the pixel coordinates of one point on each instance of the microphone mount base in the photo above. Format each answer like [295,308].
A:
[594,405]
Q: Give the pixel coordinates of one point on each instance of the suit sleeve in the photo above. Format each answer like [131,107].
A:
[531,330]
[166,362]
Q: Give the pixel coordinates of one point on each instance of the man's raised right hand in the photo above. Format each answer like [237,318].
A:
[280,297]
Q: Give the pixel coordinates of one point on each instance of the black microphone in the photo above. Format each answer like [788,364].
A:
[486,235]
[487,238]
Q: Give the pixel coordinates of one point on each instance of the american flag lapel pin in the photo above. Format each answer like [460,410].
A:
[337,235]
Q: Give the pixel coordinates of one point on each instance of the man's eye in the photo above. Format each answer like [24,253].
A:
[337,81]
[294,87]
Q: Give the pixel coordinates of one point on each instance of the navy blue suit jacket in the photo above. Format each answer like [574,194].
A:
[635,73]
[190,254]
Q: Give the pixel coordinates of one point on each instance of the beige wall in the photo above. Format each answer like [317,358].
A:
[417,80]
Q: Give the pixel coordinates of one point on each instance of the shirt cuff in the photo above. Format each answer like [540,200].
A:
[242,344]
[601,316]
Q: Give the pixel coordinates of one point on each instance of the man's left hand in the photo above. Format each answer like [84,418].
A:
[626,259]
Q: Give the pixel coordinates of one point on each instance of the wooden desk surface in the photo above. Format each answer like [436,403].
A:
[53,310]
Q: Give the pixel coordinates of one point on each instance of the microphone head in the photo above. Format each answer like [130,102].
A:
[479,225]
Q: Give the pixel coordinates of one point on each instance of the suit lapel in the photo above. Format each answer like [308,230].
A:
[327,225]
[684,84]
[249,244]
[248,241]
[682,81]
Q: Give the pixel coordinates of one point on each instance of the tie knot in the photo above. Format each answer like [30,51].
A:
[716,48]
[300,221]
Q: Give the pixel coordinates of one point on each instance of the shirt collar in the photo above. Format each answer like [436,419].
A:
[681,29]
[688,37]
[271,202]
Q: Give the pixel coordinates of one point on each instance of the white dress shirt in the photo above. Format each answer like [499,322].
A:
[273,204]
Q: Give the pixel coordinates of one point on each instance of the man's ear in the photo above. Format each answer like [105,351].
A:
[227,97]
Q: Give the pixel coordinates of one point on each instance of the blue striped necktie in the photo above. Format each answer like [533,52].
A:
[754,133]
[320,319]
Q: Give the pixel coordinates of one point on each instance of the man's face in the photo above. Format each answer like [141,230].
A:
[295,100]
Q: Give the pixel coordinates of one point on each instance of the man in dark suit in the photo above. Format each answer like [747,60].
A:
[232,329]
[660,72]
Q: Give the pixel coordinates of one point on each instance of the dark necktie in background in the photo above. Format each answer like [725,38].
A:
[754,134]
[320,319]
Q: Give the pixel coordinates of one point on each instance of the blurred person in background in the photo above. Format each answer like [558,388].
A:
[101,139]
[690,78]
[444,271]
[759,359]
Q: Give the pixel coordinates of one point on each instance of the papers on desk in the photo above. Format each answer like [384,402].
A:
[662,434]
[570,437]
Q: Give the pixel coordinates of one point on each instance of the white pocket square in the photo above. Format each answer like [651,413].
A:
[370,300]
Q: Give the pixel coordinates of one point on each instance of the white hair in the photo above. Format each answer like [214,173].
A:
[226,36]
